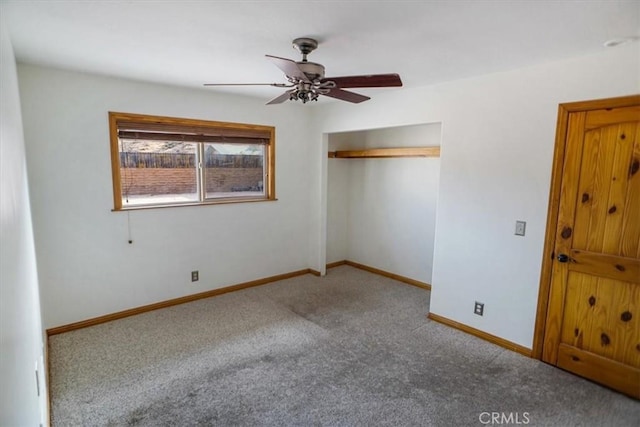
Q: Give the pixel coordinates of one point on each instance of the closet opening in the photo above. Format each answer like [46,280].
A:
[382,193]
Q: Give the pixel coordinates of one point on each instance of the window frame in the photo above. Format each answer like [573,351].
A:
[175,122]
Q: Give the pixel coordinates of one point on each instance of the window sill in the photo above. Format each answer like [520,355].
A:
[207,203]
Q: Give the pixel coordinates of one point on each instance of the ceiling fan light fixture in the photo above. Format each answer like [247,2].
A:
[304,95]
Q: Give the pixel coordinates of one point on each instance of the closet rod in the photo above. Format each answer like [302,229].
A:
[386,152]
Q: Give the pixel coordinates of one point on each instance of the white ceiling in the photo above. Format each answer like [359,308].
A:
[189,43]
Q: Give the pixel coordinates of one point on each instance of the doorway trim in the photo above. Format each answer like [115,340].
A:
[554,203]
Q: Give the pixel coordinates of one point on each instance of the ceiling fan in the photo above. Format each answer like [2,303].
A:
[307,82]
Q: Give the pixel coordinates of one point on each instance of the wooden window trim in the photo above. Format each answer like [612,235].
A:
[201,131]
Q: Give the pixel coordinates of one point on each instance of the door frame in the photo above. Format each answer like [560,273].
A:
[554,204]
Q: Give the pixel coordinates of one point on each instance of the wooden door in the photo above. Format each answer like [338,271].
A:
[593,317]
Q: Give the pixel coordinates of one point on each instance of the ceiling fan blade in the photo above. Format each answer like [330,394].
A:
[249,84]
[289,67]
[371,80]
[345,95]
[280,99]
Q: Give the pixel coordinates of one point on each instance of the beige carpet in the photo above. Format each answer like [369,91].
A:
[352,348]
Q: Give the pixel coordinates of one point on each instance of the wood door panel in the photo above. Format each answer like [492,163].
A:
[611,373]
[586,203]
[607,116]
[577,319]
[630,244]
[604,265]
[632,353]
[598,208]
[624,326]
[601,321]
[607,199]
[619,205]
[593,314]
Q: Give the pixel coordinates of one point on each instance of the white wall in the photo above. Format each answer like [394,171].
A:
[497,142]
[21,335]
[337,206]
[381,212]
[497,148]
[86,266]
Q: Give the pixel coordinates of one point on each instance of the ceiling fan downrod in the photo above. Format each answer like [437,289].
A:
[305,46]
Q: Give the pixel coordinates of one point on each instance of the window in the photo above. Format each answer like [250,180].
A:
[165,161]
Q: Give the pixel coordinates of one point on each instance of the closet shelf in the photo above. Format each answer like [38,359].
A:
[386,152]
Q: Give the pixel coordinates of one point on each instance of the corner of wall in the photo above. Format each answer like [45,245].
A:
[24,401]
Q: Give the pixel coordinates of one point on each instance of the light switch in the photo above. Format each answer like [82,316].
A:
[520,227]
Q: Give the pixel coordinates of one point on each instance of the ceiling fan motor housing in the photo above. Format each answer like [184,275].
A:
[312,70]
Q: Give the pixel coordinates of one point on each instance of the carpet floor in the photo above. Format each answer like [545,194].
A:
[349,349]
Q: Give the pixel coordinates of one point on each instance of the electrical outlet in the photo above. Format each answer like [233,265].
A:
[520,227]
[194,276]
[478,308]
